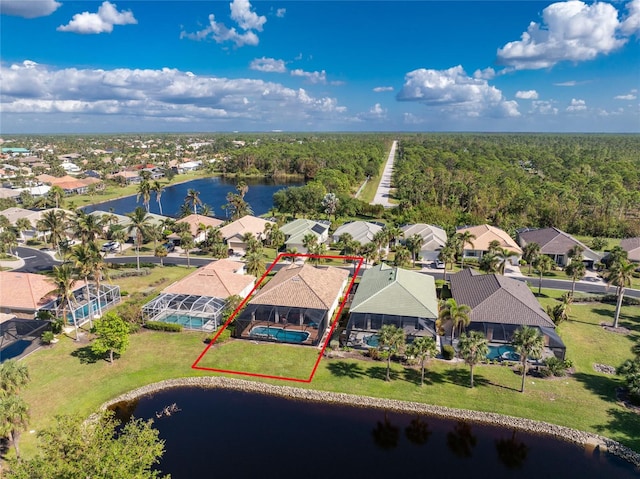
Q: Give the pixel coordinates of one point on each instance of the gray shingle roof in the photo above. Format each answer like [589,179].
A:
[632,246]
[555,241]
[494,298]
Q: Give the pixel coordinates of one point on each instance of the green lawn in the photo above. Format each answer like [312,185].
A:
[66,379]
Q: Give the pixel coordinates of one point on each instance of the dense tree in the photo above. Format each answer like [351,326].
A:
[473,349]
[14,375]
[112,335]
[391,339]
[528,343]
[630,370]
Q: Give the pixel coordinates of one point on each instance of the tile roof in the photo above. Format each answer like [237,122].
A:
[296,230]
[494,298]
[631,246]
[397,292]
[434,237]
[554,241]
[485,234]
[246,224]
[218,279]
[194,222]
[304,287]
[361,231]
[24,290]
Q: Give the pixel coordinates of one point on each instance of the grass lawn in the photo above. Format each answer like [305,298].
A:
[67,379]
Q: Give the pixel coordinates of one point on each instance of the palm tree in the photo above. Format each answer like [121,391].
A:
[22,225]
[542,264]
[392,233]
[157,188]
[255,264]
[83,256]
[414,243]
[530,252]
[64,282]
[576,270]
[309,241]
[619,275]
[575,253]
[14,418]
[380,240]
[187,244]
[192,200]
[528,343]
[56,193]
[473,349]
[161,252]
[458,314]
[448,256]
[494,245]
[144,192]
[54,222]
[502,256]
[465,238]
[390,339]
[138,224]
[13,376]
[87,227]
[422,348]
[369,252]
[402,256]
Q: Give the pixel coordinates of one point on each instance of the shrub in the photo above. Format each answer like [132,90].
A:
[334,344]
[47,337]
[161,326]
[373,353]
[556,367]
[448,352]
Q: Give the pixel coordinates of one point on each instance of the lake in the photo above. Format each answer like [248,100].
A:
[224,433]
[213,191]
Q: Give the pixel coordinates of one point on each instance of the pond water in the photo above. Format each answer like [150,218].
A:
[221,433]
[213,192]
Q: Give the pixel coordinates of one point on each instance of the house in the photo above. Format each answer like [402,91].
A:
[434,239]
[632,247]
[295,306]
[13,214]
[198,300]
[296,230]
[196,222]
[389,295]
[233,233]
[484,236]
[129,177]
[14,151]
[70,168]
[361,231]
[557,244]
[188,166]
[71,185]
[501,305]
[24,294]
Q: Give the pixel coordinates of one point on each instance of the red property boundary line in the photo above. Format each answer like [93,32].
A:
[244,301]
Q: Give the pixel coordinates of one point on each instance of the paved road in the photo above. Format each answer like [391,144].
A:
[384,187]
[35,260]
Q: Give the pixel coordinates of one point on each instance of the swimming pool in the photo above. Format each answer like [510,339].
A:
[279,334]
[372,341]
[505,351]
[186,321]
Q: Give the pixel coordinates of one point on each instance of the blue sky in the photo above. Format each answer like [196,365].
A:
[209,66]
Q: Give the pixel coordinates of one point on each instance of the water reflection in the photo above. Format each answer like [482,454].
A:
[461,440]
[386,434]
[511,451]
[418,431]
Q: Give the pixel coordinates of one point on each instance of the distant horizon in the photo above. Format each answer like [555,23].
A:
[113,66]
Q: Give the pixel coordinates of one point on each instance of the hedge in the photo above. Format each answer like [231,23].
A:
[161,326]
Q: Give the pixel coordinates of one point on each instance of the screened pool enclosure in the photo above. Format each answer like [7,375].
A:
[361,325]
[200,313]
[86,306]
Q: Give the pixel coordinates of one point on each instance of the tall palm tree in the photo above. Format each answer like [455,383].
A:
[502,256]
[14,418]
[187,244]
[157,188]
[619,275]
[422,348]
[56,194]
[64,281]
[144,192]
[83,256]
[139,221]
[530,252]
[402,256]
[22,225]
[380,239]
[390,339]
[414,243]
[458,314]
[575,253]
[465,238]
[448,256]
[528,343]
[255,264]
[542,264]
[473,349]
[54,222]
[193,200]
[576,270]
[14,375]
[309,240]
[87,227]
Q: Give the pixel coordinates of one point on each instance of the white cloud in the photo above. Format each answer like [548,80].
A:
[453,92]
[486,74]
[245,19]
[28,9]
[146,94]
[629,96]
[280,12]
[311,77]
[543,108]
[380,89]
[100,22]
[269,65]
[631,24]
[527,95]
[577,105]
[375,113]
[569,31]
[567,83]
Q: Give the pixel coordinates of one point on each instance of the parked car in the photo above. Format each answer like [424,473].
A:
[438,264]
[169,246]
[111,247]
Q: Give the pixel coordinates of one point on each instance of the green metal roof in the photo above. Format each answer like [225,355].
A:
[395,291]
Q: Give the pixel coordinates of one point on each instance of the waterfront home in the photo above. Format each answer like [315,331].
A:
[557,245]
[234,233]
[501,305]
[295,306]
[433,237]
[14,214]
[484,236]
[198,225]
[296,230]
[389,295]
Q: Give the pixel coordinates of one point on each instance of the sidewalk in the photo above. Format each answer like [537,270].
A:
[16,264]
[591,277]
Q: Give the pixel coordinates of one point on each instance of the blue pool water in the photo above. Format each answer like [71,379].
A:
[83,312]
[186,321]
[279,334]
[503,352]
[372,341]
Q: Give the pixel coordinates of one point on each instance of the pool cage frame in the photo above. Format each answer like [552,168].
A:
[313,321]
[362,325]
[14,330]
[501,333]
[98,301]
[207,309]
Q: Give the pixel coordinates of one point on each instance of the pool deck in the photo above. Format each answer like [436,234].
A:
[313,333]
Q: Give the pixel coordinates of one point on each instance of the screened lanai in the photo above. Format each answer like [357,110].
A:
[362,326]
[191,311]
[503,333]
[87,307]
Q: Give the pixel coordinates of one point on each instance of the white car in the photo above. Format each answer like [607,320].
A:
[438,264]
[111,247]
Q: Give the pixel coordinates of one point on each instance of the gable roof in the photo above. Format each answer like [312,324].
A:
[555,241]
[298,229]
[218,279]
[485,234]
[434,237]
[397,292]
[246,224]
[494,298]
[303,287]
[24,290]
[632,247]
[194,222]
[361,231]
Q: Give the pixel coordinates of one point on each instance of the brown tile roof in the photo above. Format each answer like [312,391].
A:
[632,246]
[24,290]
[494,298]
[194,222]
[217,279]
[303,287]
[485,234]
[246,224]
